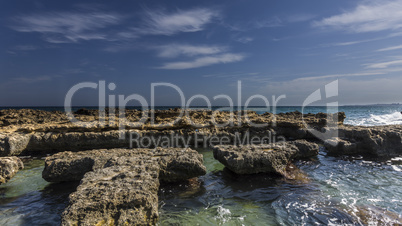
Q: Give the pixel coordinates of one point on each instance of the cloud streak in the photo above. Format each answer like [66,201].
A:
[36,79]
[339,75]
[175,50]
[204,61]
[66,27]
[373,17]
[162,23]
[384,64]
[390,48]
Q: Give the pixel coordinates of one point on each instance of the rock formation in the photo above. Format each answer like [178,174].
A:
[119,186]
[9,166]
[380,141]
[35,131]
[273,158]
[49,132]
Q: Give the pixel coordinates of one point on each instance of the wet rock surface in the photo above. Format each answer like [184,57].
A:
[119,186]
[9,166]
[380,141]
[252,159]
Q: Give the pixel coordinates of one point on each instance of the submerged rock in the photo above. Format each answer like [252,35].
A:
[9,166]
[273,158]
[119,186]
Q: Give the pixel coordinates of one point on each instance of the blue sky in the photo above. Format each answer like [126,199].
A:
[203,47]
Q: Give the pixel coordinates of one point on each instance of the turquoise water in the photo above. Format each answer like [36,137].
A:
[335,190]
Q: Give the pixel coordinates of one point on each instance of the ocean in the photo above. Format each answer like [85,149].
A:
[339,190]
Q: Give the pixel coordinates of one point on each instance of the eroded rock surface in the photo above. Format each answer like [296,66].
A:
[381,141]
[125,192]
[9,166]
[175,163]
[273,158]
[119,186]
[49,132]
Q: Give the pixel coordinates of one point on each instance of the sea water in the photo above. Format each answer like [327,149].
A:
[338,190]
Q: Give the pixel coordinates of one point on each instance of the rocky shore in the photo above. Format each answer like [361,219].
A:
[119,186]
[34,131]
[120,162]
[9,166]
[272,158]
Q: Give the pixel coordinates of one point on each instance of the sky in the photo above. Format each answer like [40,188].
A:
[208,48]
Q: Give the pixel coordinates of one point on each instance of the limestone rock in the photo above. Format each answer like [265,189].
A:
[380,141]
[175,163]
[305,148]
[272,158]
[122,193]
[9,166]
[340,146]
[256,159]
[119,186]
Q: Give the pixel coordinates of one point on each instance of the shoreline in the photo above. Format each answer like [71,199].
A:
[91,150]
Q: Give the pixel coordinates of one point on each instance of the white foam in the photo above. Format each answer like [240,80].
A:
[377,120]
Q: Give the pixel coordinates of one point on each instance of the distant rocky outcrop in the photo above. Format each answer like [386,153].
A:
[119,186]
[380,141]
[9,166]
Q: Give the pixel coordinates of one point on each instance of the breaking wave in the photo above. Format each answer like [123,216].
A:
[377,120]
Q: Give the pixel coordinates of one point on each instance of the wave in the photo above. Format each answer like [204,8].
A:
[377,120]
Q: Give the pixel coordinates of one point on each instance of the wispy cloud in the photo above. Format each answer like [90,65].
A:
[243,26]
[296,18]
[244,40]
[384,64]
[367,17]
[175,50]
[274,22]
[339,75]
[65,27]
[354,42]
[231,75]
[204,61]
[36,79]
[390,48]
[163,23]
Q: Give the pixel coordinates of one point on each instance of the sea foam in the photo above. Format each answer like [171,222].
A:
[377,120]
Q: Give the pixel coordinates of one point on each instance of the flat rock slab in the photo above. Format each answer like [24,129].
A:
[119,186]
[252,159]
[125,192]
[175,163]
[9,166]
